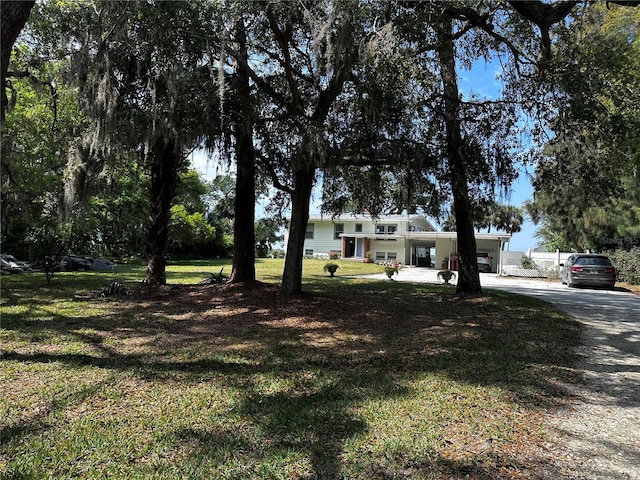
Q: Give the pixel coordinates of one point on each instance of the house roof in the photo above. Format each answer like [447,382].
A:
[419,235]
[505,237]
[365,217]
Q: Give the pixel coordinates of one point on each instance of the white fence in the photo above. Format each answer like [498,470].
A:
[542,264]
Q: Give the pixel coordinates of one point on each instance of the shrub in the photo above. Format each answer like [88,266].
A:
[390,271]
[528,263]
[330,268]
[333,255]
[446,275]
[627,265]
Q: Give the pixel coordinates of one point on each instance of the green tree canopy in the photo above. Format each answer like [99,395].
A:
[587,193]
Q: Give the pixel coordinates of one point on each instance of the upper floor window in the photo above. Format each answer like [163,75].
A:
[358,227]
[309,232]
[386,229]
[338,229]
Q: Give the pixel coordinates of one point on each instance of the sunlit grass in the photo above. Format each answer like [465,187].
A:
[355,379]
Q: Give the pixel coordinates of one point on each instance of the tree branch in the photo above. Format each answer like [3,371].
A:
[270,171]
[33,79]
[261,82]
[544,16]
[283,37]
[628,3]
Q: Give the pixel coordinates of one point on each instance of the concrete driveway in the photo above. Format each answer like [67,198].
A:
[601,433]
[600,306]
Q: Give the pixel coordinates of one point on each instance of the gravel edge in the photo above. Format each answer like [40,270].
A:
[600,432]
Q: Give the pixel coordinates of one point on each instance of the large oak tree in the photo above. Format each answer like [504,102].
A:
[13,15]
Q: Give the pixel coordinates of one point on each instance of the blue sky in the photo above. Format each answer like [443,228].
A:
[482,80]
[525,239]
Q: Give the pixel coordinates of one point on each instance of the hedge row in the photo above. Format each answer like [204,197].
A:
[627,264]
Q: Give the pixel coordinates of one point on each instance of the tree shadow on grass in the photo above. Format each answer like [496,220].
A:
[312,425]
[33,421]
[331,351]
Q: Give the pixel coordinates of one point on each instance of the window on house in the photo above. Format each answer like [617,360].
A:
[309,232]
[380,257]
[391,255]
[386,230]
[338,229]
[308,252]
[358,227]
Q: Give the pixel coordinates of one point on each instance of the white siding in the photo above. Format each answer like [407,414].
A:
[386,249]
[444,247]
[322,242]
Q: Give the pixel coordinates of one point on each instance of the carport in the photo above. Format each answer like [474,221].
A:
[446,247]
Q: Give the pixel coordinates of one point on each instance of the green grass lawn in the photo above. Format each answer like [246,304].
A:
[354,379]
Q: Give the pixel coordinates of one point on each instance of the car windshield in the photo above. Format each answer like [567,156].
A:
[593,261]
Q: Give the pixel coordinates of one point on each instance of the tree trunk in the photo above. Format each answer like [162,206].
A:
[300,200]
[468,275]
[164,178]
[14,17]
[244,269]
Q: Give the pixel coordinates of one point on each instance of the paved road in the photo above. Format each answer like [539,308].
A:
[601,434]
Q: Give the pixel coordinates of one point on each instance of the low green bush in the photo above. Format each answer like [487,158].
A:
[627,264]
[528,263]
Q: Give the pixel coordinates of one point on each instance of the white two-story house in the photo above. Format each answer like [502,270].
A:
[408,239]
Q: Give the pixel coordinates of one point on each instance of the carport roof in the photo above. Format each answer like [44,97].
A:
[505,237]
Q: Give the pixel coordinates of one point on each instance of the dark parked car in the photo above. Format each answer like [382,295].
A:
[10,264]
[85,262]
[484,262]
[75,262]
[588,269]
